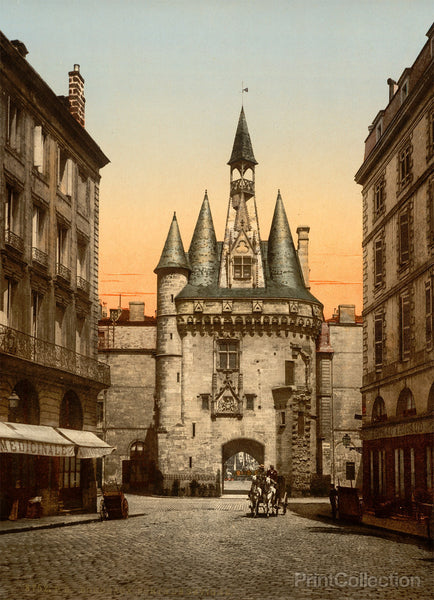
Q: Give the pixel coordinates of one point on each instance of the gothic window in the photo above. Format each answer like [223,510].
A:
[228,351]
[242,267]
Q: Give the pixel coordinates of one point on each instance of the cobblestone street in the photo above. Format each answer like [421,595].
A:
[209,548]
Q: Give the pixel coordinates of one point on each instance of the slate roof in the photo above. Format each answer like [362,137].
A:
[242,149]
[173,255]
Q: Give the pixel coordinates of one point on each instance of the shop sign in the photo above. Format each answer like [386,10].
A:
[397,430]
[35,448]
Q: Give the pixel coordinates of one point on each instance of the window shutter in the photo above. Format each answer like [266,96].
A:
[38,148]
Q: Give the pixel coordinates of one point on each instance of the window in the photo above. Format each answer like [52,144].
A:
[34,314]
[379,130]
[404,237]
[80,337]
[405,406]
[250,401]
[71,413]
[404,166]
[14,125]
[82,268]
[289,372]
[379,196]
[228,355]
[8,298]
[378,339]
[242,267]
[62,251]
[431,134]
[282,418]
[82,194]
[58,326]
[64,173]
[69,472]
[193,430]
[404,322]
[429,313]
[205,401]
[38,236]
[100,414]
[12,216]
[39,149]
[399,473]
[379,410]
[378,262]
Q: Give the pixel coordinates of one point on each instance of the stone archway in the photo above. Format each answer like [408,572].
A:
[251,447]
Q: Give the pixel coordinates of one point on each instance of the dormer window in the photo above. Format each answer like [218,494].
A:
[404,91]
[242,267]
[379,130]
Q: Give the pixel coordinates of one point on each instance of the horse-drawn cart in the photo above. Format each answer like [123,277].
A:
[114,505]
[268,496]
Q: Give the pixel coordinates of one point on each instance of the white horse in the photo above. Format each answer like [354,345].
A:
[255,495]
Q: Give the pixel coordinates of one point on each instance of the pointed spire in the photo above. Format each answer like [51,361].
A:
[173,255]
[203,248]
[282,257]
[242,149]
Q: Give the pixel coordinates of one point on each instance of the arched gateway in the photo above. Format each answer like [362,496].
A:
[236,341]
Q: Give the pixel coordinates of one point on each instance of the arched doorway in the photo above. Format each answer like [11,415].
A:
[240,459]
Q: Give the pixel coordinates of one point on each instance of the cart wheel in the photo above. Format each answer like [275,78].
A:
[124,508]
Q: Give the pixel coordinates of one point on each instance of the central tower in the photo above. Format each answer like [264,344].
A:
[241,261]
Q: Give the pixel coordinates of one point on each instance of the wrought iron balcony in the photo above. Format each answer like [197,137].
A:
[27,347]
[14,241]
[63,272]
[83,285]
[40,257]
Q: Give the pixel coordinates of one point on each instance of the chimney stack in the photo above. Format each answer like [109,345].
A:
[20,47]
[393,87]
[76,95]
[137,311]
[303,252]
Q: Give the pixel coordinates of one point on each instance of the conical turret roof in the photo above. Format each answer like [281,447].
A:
[242,149]
[283,260]
[173,255]
[203,249]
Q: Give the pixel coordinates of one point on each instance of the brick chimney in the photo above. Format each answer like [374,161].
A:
[303,252]
[76,95]
[137,311]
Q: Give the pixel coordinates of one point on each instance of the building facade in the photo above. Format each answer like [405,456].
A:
[339,380]
[397,176]
[236,341]
[50,376]
[127,343]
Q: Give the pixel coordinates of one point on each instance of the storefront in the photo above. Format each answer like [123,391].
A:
[55,465]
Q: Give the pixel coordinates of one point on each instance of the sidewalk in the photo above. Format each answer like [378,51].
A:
[322,512]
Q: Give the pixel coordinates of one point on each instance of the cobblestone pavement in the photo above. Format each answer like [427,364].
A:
[189,549]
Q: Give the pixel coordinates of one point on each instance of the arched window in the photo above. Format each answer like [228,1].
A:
[71,414]
[431,399]
[379,410]
[405,406]
[24,404]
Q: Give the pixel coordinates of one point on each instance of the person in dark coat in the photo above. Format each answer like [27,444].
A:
[333,501]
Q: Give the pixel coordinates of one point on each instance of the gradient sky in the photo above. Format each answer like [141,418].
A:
[163,86]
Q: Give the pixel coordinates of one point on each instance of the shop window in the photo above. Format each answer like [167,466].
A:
[399,473]
[70,472]
[405,406]
[71,414]
[228,355]
[379,410]
[382,472]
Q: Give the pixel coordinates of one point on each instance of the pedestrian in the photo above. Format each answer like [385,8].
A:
[333,501]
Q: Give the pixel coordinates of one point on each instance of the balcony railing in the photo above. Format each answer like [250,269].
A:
[44,353]
[14,240]
[63,272]
[39,257]
[83,285]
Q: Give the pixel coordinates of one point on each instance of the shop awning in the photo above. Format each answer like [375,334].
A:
[38,440]
[89,445]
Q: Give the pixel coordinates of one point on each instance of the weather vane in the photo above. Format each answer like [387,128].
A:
[243,89]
